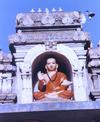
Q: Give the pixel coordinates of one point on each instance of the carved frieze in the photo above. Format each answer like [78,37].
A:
[94,52]
[48,18]
[80,35]
[94,55]
[7,67]
[94,63]
[58,36]
[5,62]
[5,57]
[27,21]
[67,19]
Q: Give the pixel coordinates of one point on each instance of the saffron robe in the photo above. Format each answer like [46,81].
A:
[53,86]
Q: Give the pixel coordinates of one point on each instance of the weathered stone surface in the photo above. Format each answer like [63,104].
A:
[49,18]
[41,37]
[51,111]
[94,53]
[8,98]
[49,106]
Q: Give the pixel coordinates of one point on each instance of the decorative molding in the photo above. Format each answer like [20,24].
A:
[49,18]
[5,62]
[58,36]
[67,20]
[7,67]
[94,63]
[94,52]
[80,35]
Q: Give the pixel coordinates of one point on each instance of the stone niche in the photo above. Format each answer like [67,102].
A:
[40,61]
[36,39]
[69,64]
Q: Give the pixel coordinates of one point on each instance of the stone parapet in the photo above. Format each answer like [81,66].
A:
[43,19]
[94,53]
[42,37]
[94,57]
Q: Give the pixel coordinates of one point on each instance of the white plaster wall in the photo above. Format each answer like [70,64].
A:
[64,50]
[79,90]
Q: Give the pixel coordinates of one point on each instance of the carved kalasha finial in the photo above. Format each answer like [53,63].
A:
[53,10]
[32,10]
[60,9]
[47,11]
[39,10]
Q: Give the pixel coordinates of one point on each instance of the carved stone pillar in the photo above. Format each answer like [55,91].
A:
[27,96]
[18,84]
[9,83]
[6,86]
[79,90]
[0,84]
[95,80]
[99,81]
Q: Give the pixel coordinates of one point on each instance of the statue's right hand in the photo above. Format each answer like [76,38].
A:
[40,75]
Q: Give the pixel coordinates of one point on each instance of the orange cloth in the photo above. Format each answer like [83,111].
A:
[54,86]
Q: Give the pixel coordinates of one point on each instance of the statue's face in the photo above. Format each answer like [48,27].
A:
[51,64]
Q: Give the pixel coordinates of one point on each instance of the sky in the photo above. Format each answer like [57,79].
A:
[9,9]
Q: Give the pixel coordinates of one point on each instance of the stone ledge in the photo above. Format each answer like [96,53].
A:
[50,106]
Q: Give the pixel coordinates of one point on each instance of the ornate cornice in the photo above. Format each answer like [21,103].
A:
[94,57]
[6,58]
[94,63]
[94,53]
[5,62]
[7,67]
[47,18]
[58,36]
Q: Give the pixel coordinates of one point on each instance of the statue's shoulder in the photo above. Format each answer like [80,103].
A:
[61,73]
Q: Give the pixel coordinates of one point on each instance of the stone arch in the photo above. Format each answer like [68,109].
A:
[63,64]
[66,51]
[65,54]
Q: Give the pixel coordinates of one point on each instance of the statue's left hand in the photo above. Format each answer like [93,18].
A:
[40,75]
[66,83]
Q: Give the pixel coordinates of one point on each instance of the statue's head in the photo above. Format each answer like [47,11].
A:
[51,64]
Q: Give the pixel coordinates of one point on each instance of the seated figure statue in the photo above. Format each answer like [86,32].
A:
[52,84]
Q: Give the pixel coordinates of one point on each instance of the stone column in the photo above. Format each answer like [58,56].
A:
[99,81]
[18,84]
[79,90]
[6,83]
[95,80]
[9,84]
[27,96]
[0,84]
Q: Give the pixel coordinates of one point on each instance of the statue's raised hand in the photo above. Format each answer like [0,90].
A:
[40,75]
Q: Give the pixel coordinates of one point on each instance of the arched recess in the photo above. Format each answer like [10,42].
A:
[65,56]
[39,64]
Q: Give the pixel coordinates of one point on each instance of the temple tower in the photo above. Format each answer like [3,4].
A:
[50,33]
[60,35]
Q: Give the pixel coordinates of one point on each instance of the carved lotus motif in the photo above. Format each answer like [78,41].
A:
[28,21]
[67,19]
[48,20]
[1,66]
